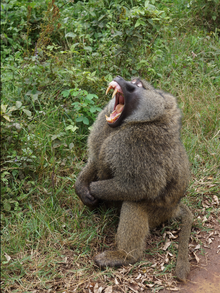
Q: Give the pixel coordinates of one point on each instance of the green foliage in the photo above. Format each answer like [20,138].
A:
[207,13]
[20,24]
[83,105]
[192,54]
[124,30]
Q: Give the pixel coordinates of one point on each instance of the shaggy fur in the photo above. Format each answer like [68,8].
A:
[143,164]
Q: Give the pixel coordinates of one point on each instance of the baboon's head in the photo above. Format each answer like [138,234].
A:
[133,100]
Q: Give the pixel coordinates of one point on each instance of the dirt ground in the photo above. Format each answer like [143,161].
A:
[204,276]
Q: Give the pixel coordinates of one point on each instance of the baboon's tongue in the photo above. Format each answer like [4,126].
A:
[119,108]
[115,114]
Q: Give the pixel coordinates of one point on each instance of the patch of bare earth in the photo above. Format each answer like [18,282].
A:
[204,276]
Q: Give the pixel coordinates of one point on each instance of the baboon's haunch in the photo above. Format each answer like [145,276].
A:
[136,157]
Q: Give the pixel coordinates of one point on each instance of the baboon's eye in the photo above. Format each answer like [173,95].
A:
[137,82]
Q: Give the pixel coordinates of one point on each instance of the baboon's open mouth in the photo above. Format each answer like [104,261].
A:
[119,101]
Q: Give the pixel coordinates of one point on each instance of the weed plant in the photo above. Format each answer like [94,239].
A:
[57,60]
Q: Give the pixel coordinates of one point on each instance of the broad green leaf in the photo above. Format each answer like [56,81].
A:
[95,109]
[75,93]
[140,22]
[79,119]
[91,96]
[146,3]
[70,34]
[55,136]
[3,108]
[88,48]
[27,112]
[65,93]
[18,104]
[85,120]
[73,128]
[7,117]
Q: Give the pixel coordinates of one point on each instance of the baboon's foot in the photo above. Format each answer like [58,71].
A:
[182,270]
[114,258]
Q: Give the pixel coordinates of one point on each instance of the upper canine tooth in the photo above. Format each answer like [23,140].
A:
[108,89]
[115,91]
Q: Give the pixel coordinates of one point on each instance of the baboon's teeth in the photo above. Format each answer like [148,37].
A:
[114,85]
[114,93]
[115,90]
[108,89]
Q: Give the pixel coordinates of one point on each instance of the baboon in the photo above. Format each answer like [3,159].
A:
[136,158]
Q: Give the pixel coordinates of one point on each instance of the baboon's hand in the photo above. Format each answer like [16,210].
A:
[85,196]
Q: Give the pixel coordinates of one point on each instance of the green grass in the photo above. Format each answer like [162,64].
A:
[48,237]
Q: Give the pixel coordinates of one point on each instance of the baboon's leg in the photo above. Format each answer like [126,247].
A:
[132,231]
[182,265]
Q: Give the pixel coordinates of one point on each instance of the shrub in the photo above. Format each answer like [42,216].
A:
[207,13]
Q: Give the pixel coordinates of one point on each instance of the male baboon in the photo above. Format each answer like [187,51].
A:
[136,157]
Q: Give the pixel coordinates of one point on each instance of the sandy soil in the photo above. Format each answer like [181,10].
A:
[204,276]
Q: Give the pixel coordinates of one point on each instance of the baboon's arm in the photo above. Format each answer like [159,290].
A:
[82,183]
[115,190]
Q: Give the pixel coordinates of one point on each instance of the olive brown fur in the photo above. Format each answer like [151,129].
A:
[140,162]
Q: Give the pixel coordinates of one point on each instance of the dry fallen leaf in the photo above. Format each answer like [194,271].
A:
[204,219]
[196,257]
[209,241]
[162,267]
[166,245]
[134,287]
[216,200]
[150,285]
[198,246]
[171,236]
[7,257]
[108,289]
[138,277]
[97,289]
[166,259]
[174,289]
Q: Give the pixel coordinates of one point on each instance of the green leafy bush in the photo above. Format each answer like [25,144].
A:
[109,35]
[84,106]
[207,13]
[20,22]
